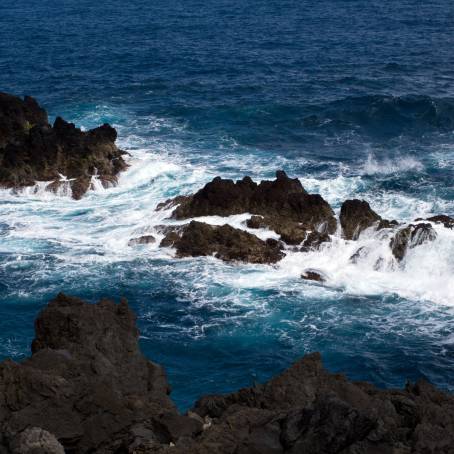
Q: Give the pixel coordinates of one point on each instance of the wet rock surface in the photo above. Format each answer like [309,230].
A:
[447,221]
[282,200]
[145,239]
[307,409]
[224,242]
[410,237]
[31,150]
[356,216]
[313,275]
[87,388]
[303,221]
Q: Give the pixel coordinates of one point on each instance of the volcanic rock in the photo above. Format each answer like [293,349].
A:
[31,150]
[224,242]
[312,275]
[283,199]
[87,388]
[308,410]
[356,216]
[410,237]
[87,383]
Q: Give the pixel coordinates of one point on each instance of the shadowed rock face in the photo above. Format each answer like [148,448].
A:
[284,200]
[87,388]
[308,410]
[356,216]
[447,221]
[224,242]
[31,150]
[87,382]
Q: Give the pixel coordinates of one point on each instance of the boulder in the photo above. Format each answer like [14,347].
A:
[313,275]
[36,441]
[224,242]
[356,216]
[410,237]
[31,150]
[314,240]
[282,200]
[291,232]
[86,383]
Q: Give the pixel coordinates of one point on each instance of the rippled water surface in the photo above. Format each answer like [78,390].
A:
[356,98]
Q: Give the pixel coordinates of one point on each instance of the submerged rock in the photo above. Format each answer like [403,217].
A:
[224,242]
[31,150]
[410,237]
[313,275]
[308,410]
[145,239]
[87,388]
[447,221]
[280,201]
[356,216]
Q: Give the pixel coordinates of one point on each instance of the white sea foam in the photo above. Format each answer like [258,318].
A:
[372,166]
[98,228]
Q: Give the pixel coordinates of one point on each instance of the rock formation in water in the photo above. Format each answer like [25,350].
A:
[87,388]
[283,201]
[410,237]
[31,150]
[224,242]
[356,216]
[87,384]
[303,221]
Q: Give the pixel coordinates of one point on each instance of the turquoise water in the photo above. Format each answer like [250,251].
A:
[355,98]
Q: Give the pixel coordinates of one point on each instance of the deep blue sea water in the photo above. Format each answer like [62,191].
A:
[354,97]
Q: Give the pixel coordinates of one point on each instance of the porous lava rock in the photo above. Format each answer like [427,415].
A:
[309,410]
[87,383]
[88,389]
[62,155]
[281,201]
[224,242]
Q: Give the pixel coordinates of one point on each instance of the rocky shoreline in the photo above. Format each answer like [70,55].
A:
[302,222]
[62,156]
[87,388]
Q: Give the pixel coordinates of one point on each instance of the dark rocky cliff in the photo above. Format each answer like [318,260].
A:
[87,388]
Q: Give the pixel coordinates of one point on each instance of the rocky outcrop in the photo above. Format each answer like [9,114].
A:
[308,410]
[356,216]
[224,242]
[87,383]
[31,150]
[446,221]
[282,200]
[87,388]
[410,237]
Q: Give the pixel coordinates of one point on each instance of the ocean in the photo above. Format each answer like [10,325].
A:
[354,97]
